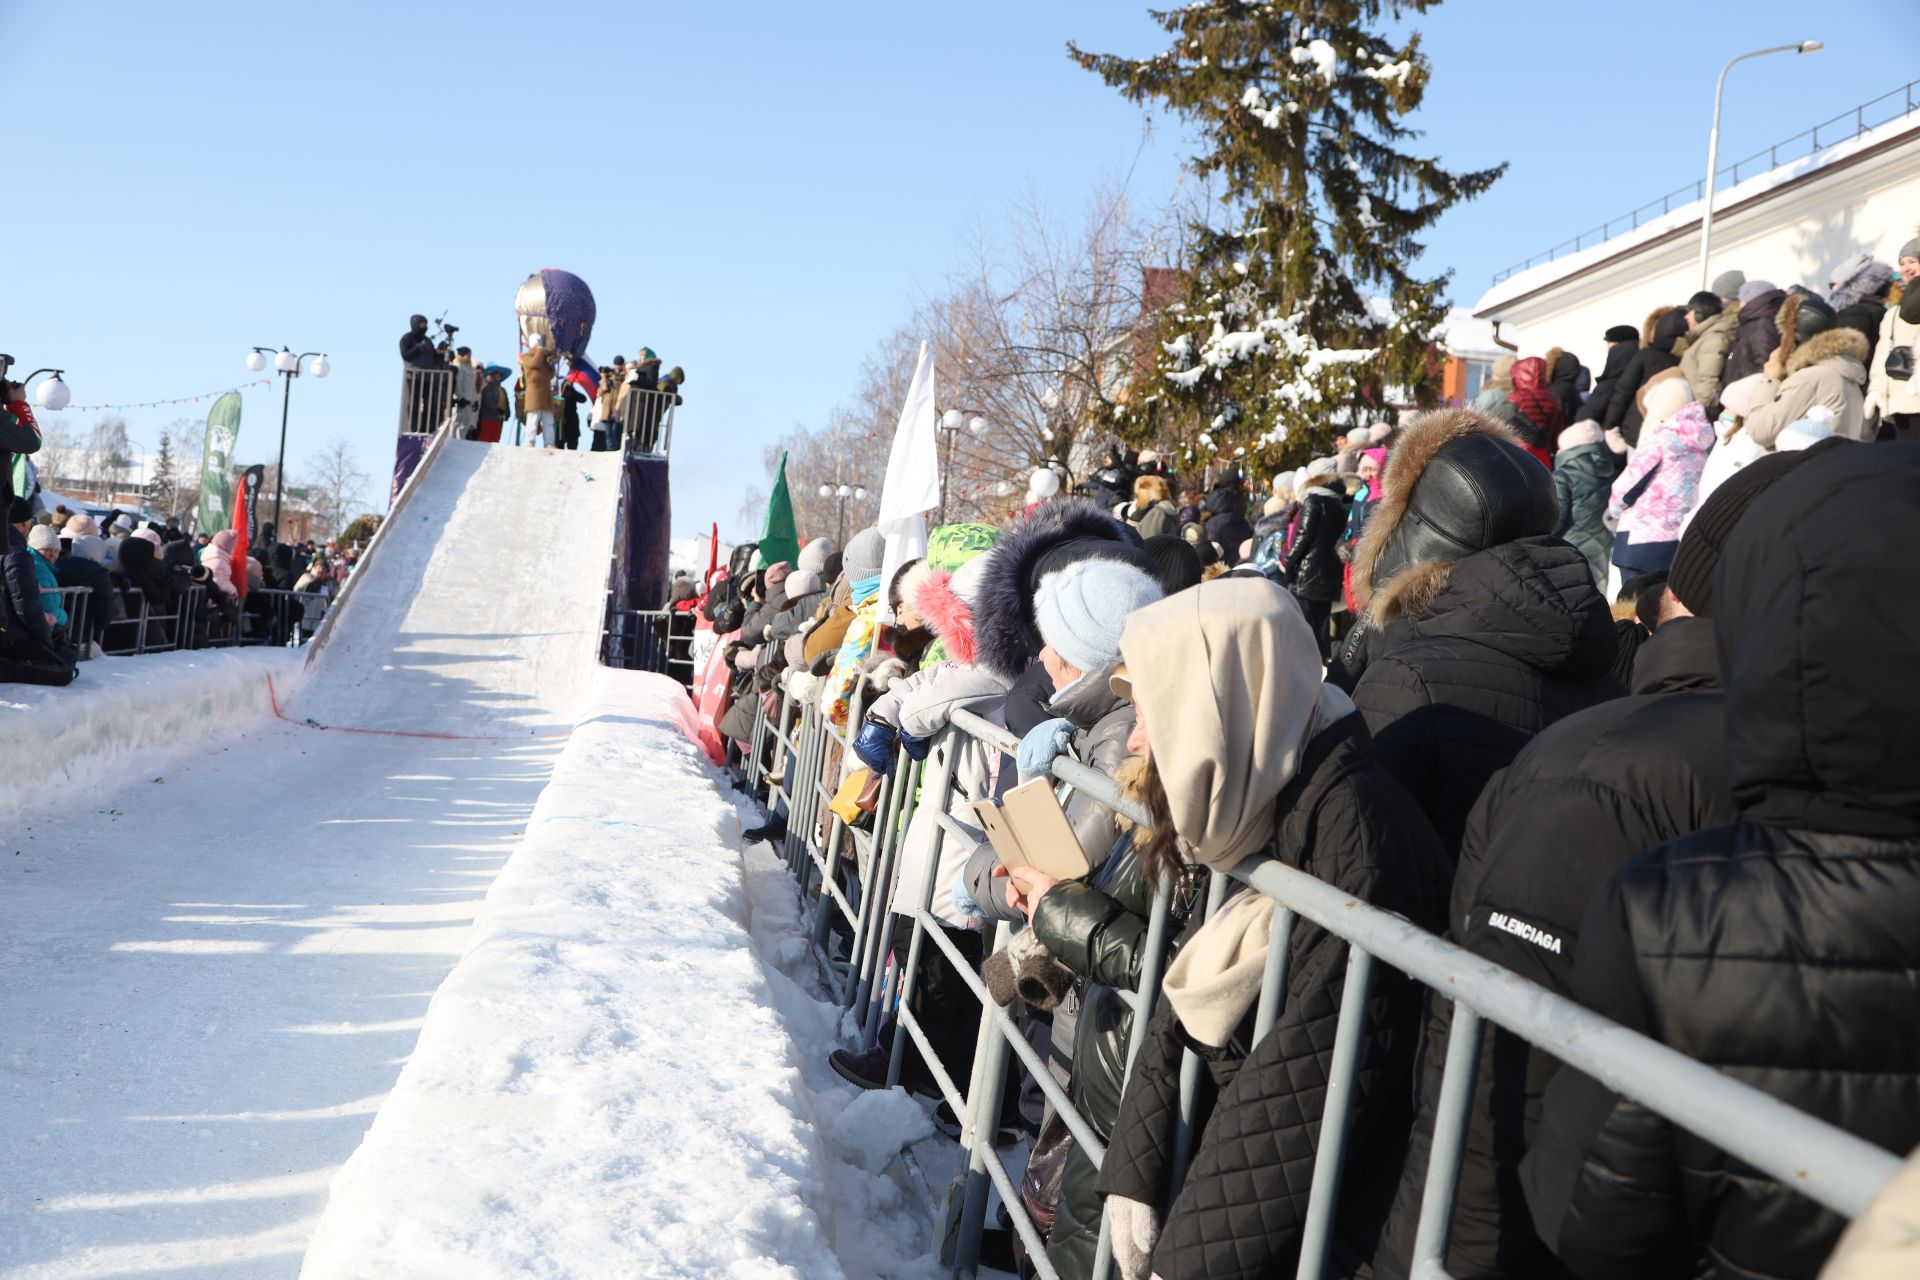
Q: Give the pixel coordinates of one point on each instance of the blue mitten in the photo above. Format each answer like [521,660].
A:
[916,748]
[1043,743]
[874,745]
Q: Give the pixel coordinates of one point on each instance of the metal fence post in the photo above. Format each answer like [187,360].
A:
[940,793]
[983,1121]
[880,923]
[1449,1142]
[1190,1067]
[1330,1156]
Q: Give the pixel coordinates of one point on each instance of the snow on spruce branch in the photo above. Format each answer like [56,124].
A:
[1306,361]
[1271,116]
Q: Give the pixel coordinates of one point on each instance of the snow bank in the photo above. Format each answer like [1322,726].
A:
[605,1086]
[128,715]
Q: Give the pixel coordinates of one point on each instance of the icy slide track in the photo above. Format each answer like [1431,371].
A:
[212,970]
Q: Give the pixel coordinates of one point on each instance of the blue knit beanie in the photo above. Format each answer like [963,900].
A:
[1082,608]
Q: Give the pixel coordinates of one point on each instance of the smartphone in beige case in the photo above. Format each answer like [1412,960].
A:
[1028,828]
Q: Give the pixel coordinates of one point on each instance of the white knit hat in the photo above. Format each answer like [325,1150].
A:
[1082,609]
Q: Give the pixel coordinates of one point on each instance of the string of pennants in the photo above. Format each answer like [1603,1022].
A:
[155,404]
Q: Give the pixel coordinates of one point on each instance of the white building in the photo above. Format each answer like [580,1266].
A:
[1854,189]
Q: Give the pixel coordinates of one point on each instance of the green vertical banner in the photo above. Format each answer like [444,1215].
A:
[779,540]
[215,511]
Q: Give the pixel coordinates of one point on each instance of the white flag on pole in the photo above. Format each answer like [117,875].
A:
[913,480]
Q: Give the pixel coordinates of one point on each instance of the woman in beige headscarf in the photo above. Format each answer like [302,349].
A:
[1247,751]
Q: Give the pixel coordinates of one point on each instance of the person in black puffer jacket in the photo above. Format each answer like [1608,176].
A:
[1499,642]
[1227,525]
[1780,948]
[1623,342]
[1248,751]
[1588,793]
[1858,295]
[1663,340]
[1313,566]
[1754,338]
[1565,374]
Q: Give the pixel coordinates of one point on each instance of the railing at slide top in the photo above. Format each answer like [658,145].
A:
[1825,1163]
[428,401]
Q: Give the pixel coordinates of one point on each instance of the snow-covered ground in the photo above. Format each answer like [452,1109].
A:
[224,924]
[607,1085]
[213,968]
[124,712]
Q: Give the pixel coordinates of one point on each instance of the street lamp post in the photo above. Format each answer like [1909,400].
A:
[289,366]
[1713,143]
[53,394]
[843,492]
[950,424]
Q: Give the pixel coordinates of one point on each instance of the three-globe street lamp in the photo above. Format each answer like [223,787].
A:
[288,365]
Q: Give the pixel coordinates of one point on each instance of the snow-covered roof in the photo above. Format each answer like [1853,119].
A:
[1522,283]
[1468,336]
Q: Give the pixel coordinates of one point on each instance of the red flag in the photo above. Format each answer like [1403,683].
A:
[240,540]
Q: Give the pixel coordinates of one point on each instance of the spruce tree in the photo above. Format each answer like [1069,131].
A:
[161,481]
[1299,109]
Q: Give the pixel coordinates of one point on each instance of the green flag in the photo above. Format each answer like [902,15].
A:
[215,511]
[779,540]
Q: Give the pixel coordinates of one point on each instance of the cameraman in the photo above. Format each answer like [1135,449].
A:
[421,356]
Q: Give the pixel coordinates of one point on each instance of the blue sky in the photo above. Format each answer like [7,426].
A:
[757,190]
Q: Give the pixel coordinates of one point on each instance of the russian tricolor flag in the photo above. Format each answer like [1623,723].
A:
[582,374]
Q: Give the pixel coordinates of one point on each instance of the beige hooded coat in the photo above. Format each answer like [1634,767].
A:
[1829,368]
[1228,679]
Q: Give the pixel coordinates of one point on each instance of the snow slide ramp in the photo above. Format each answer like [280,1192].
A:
[479,611]
[213,967]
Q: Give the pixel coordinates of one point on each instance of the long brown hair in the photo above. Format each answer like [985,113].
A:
[1159,847]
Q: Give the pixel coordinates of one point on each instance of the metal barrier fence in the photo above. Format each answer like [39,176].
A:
[275,618]
[658,640]
[426,399]
[646,421]
[1823,1162]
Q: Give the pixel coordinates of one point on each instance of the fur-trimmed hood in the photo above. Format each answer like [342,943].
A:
[948,615]
[1840,344]
[1647,325]
[1006,637]
[1408,460]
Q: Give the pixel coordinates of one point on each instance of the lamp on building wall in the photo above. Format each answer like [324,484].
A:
[1713,143]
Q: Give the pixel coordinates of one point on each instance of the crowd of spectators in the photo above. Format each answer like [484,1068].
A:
[1686,802]
[136,581]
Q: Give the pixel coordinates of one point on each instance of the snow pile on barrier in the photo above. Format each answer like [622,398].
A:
[124,715]
[604,1085]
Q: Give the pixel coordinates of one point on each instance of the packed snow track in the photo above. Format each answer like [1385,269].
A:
[216,956]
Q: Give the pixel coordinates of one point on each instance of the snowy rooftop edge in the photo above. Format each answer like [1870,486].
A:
[1524,282]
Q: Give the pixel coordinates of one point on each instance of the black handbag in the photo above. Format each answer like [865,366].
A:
[1899,364]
